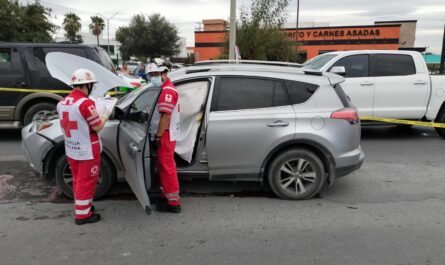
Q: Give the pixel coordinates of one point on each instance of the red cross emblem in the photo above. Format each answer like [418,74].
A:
[73,78]
[68,125]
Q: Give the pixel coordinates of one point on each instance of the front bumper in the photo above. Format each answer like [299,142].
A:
[35,147]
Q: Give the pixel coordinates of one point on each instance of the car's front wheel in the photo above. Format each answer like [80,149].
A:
[64,177]
[296,174]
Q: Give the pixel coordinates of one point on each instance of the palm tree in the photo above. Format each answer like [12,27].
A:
[72,26]
[97,26]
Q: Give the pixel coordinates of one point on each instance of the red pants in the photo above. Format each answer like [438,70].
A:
[167,170]
[85,175]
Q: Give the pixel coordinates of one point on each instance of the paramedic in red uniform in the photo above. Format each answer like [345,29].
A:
[165,129]
[80,124]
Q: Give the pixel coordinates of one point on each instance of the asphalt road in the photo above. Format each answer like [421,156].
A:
[391,211]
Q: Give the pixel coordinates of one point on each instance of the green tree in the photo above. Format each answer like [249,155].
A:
[72,26]
[150,36]
[97,26]
[259,34]
[27,23]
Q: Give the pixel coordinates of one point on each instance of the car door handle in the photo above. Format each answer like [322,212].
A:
[19,84]
[134,148]
[278,124]
[366,83]
[419,82]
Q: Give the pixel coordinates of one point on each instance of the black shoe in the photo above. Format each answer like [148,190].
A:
[164,207]
[94,218]
[93,209]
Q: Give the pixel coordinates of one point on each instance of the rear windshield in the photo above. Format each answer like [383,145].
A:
[342,95]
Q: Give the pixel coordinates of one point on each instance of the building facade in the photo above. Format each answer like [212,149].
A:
[312,41]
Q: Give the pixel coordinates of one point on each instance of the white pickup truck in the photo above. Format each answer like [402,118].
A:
[387,84]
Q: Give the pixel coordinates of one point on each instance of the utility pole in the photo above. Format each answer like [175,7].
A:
[232,33]
[108,29]
[442,58]
[298,16]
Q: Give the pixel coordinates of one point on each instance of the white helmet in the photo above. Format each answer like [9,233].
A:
[82,76]
[163,69]
[152,68]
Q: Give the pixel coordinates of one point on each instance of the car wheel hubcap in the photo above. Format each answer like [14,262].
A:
[297,176]
[68,177]
[42,115]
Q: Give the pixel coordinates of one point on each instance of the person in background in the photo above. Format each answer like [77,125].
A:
[124,70]
[141,72]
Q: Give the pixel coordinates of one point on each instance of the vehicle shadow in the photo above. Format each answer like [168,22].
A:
[391,132]
[10,134]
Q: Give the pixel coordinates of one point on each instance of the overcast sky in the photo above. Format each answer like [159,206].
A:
[186,14]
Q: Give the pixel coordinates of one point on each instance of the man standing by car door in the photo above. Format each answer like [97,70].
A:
[80,124]
[165,126]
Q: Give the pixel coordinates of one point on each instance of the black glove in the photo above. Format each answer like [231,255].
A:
[156,142]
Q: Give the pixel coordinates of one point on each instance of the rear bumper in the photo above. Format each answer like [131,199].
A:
[349,162]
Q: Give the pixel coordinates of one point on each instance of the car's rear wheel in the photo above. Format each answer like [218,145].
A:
[64,177]
[38,111]
[296,174]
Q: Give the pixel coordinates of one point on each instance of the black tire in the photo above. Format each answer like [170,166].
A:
[43,107]
[312,174]
[441,119]
[107,177]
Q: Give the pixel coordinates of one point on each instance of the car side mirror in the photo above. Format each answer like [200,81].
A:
[339,70]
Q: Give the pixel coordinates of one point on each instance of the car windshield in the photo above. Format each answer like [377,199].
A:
[105,58]
[318,62]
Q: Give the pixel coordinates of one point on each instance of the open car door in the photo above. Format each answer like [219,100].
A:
[134,145]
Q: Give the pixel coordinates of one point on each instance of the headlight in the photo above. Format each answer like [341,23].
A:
[44,126]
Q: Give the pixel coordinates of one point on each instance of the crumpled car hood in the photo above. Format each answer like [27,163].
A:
[62,65]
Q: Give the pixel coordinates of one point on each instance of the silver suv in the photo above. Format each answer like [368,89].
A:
[292,130]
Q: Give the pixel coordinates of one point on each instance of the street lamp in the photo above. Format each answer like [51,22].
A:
[108,29]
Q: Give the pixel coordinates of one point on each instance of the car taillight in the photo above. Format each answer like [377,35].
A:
[349,114]
[135,84]
[44,126]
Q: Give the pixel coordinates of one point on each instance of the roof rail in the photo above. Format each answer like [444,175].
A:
[275,63]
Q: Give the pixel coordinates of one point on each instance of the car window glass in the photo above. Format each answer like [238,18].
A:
[355,65]
[300,92]
[394,65]
[46,80]
[144,102]
[237,93]
[5,61]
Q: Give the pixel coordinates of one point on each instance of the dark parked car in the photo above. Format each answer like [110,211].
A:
[27,90]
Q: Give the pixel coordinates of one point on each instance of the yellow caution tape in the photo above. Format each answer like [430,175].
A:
[30,90]
[407,122]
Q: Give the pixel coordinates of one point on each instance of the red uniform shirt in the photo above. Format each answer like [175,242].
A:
[89,113]
[168,98]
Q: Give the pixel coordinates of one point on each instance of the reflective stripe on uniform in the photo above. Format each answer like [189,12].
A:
[83,212]
[82,202]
